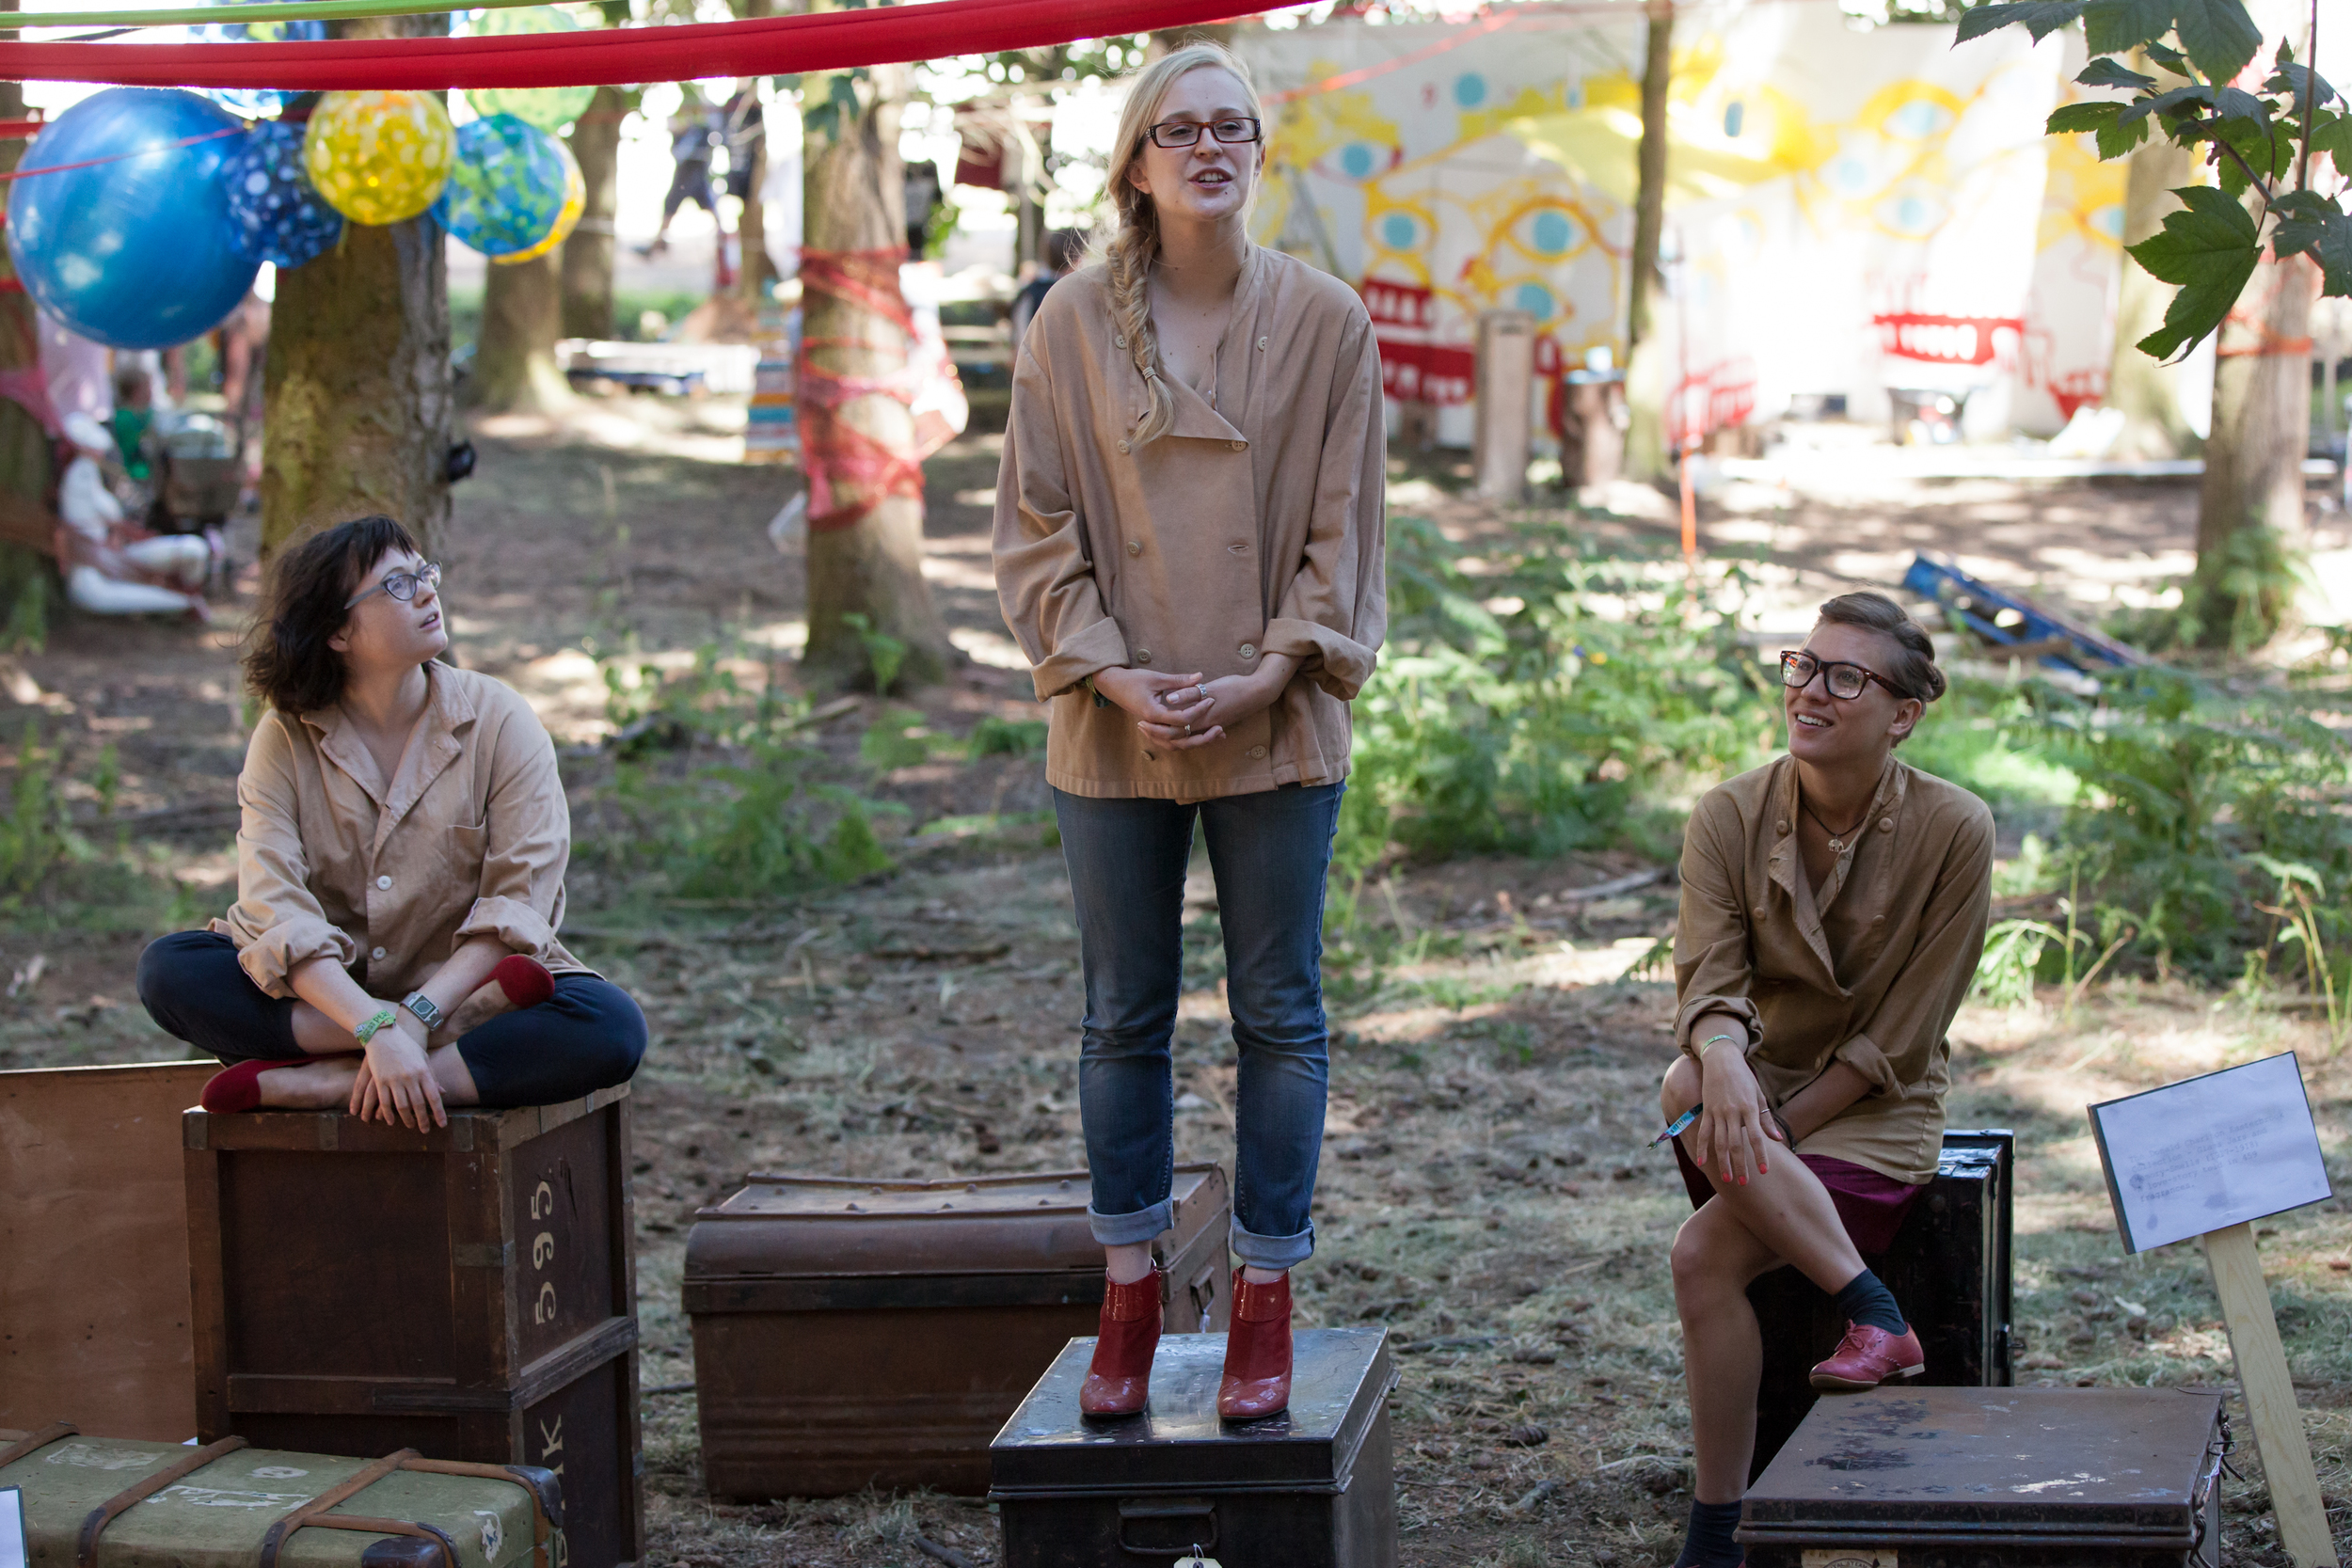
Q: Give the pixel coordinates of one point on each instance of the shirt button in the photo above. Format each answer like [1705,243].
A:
[378,954]
[1878,920]
[383,883]
[1759,912]
[1238,445]
[1256,752]
[1887,824]
[1125,447]
[1249,650]
[1120,339]
[1143,656]
[1150,757]
[1135,546]
[1781,827]
[1262,346]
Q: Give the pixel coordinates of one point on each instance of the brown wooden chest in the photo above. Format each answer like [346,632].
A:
[853,1334]
[469,1292]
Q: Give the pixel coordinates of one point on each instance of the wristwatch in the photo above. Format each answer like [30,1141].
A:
[427,1014]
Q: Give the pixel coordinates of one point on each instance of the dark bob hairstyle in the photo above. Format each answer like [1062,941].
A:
[287,662]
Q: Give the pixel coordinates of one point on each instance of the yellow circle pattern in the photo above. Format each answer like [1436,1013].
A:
[379,157]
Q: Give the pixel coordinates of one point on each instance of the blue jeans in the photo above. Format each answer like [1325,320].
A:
[1271,852]
[588,1036]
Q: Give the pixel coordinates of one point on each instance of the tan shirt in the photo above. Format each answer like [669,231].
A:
[1868,971]
[1255,526]
[387,878]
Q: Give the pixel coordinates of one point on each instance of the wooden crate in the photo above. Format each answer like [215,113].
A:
[469,1292]
[94,1248]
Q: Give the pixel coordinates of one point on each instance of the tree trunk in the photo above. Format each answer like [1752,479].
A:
[1649,384]
[24,572]
[588,253]
[522,315]
[754,271]
[866,549]
[358,410]
[2147,392]
[2250,506]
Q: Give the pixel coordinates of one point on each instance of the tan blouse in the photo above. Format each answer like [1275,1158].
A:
[1255,526]
[1866,970]
[387,877]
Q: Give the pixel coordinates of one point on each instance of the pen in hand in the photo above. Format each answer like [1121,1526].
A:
[1681,1124]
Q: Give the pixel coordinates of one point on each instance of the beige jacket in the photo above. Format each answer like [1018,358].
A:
[471,838]
[1868,971]
[1255,526]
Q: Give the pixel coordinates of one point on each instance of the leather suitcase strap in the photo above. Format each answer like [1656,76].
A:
[85,1548]
[381,1527]
[543,1532]
[41,1439]
[368,1475]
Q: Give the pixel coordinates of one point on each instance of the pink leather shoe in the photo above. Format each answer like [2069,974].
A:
[1867,1356]
[1118,1379]
[1256,1381]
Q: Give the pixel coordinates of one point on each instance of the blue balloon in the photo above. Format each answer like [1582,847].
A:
[505,189]
[134,251]
[254,103]
[275,213]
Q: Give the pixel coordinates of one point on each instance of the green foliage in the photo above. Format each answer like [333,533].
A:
[36,840]
[1007,738]
[886,654]
[1560,700]
[28,627]
[897,738]
[2208,247]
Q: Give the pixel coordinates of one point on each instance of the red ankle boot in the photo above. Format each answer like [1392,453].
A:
[1119,1378]
[1257,1351]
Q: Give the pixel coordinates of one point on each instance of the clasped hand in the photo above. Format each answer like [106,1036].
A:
[395,1083]
[1181,712]
[1734,1125]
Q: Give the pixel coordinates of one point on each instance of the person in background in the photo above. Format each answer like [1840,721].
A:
[76,372]
[923,193]
[1833,908]
[692,132]
[134,418]
[400,871]
[746,130]
[112,568]
[1063,248]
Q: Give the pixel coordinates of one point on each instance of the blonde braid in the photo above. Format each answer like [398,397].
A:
[1129,258]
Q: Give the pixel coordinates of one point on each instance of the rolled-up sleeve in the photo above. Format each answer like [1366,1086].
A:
[1045,577]
[1335,611]
[521,900]
[1895,1048]
[1714,969]
[277,922]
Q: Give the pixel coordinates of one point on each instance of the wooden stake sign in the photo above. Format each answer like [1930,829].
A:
[2208,1157]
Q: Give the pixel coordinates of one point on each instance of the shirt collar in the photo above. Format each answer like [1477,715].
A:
[447,710]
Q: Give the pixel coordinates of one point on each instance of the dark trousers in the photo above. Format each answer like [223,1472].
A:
[588,1036]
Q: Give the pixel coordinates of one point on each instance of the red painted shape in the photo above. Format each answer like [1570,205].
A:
[1943,339]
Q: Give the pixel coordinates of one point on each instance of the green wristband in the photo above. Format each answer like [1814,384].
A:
[367,1031]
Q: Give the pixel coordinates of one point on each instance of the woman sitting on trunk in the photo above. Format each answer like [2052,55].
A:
[400,871]
[1834,908]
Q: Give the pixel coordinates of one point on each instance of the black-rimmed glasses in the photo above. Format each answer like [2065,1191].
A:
[403,585]
[1840,680]
[1185,132]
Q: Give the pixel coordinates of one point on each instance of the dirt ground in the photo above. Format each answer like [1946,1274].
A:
[1486,1194]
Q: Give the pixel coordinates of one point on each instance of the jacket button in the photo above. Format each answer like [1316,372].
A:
[1124,446]
[1878,920]
[1249,650]
[1150,757]
[1143,656]
[1238,445]
[1759,912]
[1135,546]
[1262,346]
[1257,751]
[383,883]
[377,955]
[1781,826]
[1887,824]
[1120,339]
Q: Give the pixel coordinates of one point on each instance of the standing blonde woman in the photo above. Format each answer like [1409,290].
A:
[1189,546]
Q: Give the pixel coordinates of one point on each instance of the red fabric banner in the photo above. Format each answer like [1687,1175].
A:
[830,40]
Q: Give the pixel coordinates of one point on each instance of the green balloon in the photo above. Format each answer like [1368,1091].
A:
[548,108]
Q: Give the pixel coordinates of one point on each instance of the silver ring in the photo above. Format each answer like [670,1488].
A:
[1204,693]
[1187,729]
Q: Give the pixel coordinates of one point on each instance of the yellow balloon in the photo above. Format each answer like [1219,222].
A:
[566,218]
[379,157]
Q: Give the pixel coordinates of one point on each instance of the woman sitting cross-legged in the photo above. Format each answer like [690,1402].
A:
[1834,908]
[400,871]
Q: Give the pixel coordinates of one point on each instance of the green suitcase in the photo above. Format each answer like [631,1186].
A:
[108,1502]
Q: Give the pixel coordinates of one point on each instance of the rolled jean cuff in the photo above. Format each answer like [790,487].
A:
[1274,1252]
[1134,1229]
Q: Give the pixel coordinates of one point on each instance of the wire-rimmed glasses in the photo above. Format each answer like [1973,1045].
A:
[401,585]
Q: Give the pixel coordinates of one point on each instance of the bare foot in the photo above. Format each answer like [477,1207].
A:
[321,1085]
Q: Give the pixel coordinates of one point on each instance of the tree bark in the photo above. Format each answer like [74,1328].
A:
[866,558]
[1648,383]
[588,253]
[2145,391]
[522,315]
[357,405]
[753,270]
[2253,479]
[24,459]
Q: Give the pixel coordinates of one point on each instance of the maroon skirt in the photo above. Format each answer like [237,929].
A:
[1871,1206]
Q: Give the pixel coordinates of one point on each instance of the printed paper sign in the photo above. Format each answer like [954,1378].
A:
[13,1551]
[2207,1152]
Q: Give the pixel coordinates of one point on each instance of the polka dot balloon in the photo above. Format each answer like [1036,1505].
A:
[506,190]
[566,219]
[379,157]
[275,213]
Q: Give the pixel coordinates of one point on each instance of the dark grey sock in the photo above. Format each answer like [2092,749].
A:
[1863,1299]
[1707,1544]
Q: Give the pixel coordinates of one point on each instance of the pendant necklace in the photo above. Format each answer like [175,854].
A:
[1836,839]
